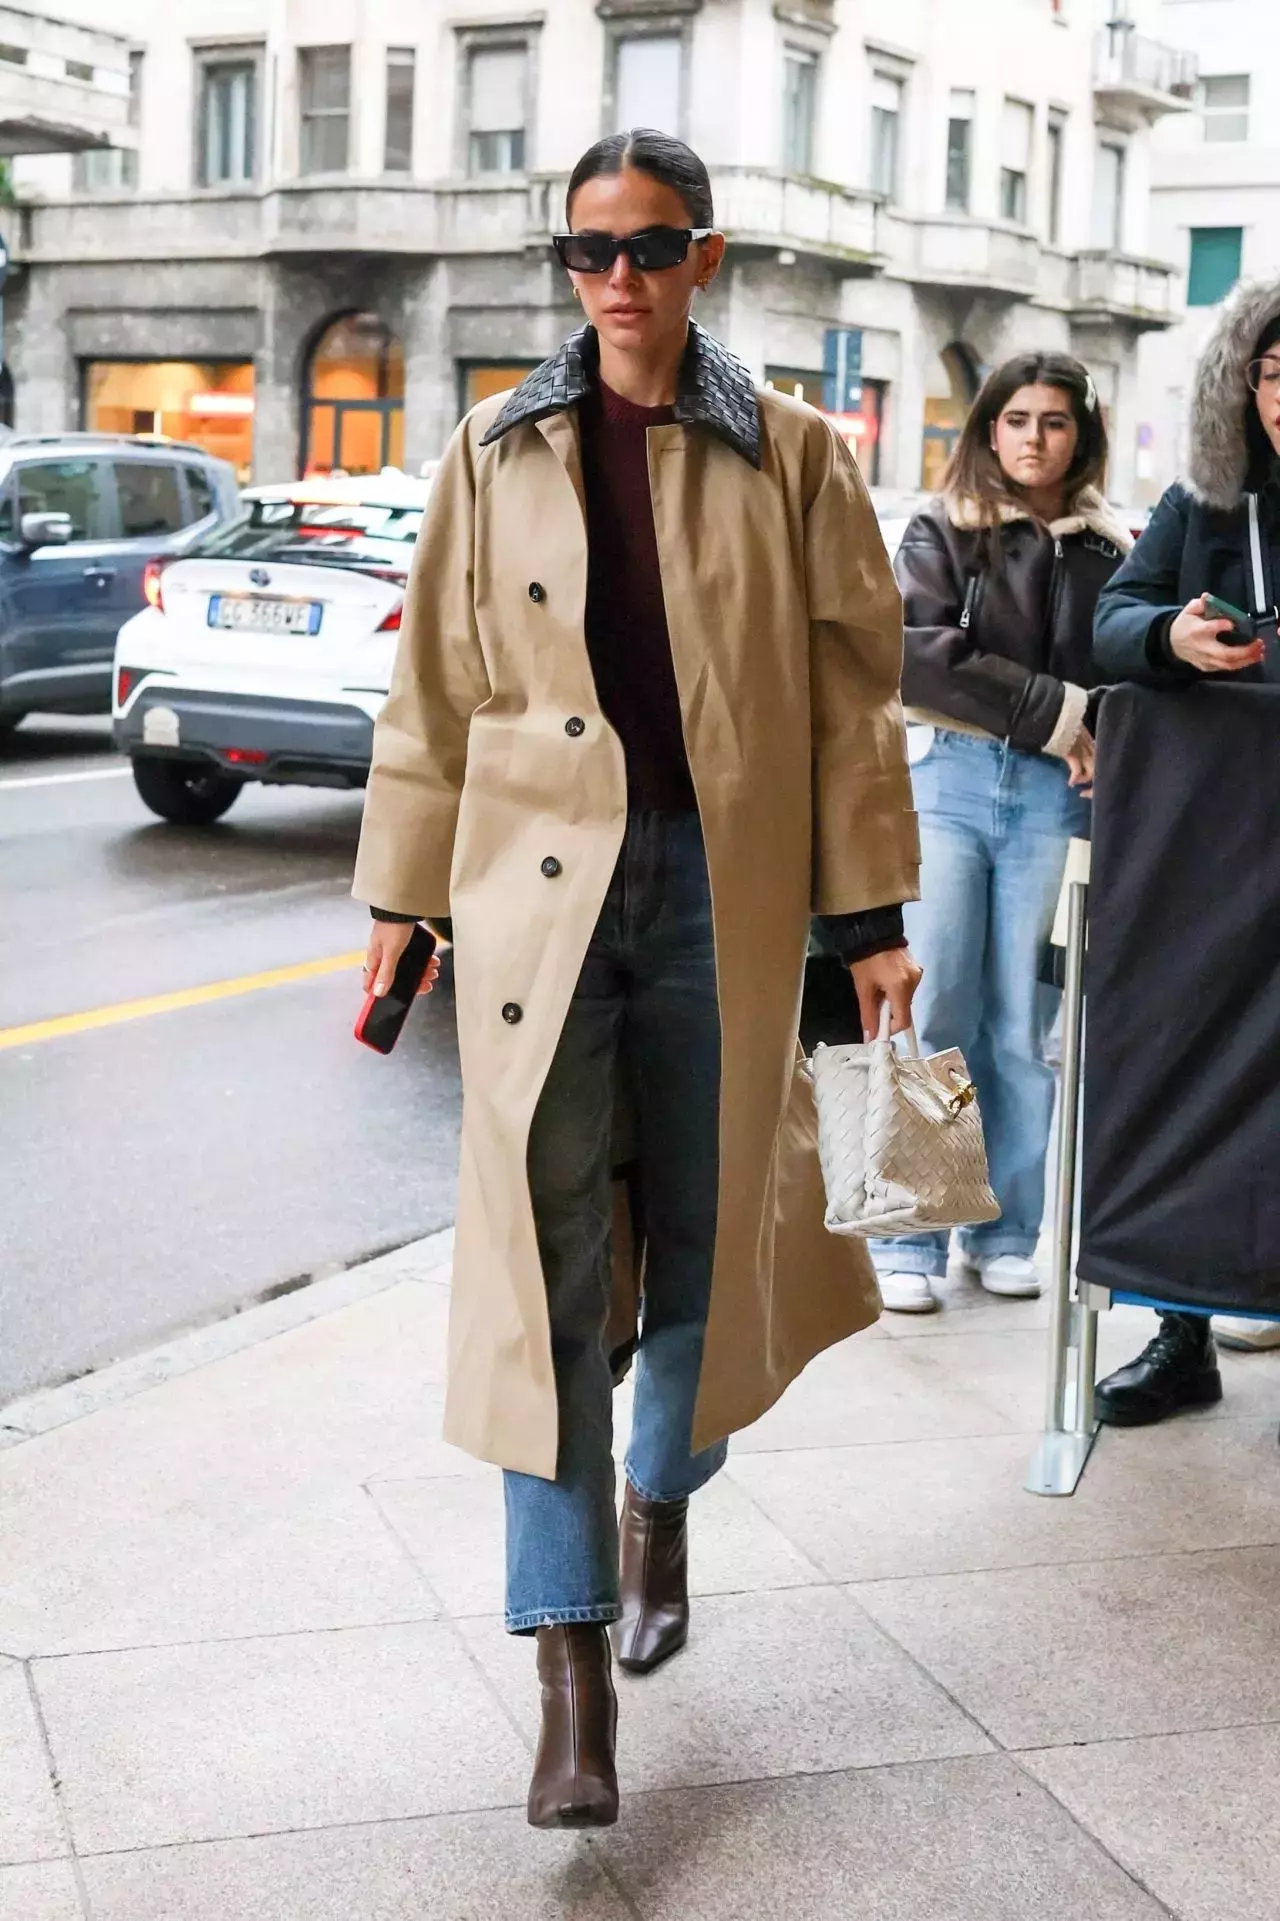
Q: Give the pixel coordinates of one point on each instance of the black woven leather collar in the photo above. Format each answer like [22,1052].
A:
[716,391]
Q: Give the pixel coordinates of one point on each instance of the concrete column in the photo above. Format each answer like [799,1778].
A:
[430,386]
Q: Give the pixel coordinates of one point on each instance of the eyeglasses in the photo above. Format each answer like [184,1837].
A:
[1263,375]
[651,251]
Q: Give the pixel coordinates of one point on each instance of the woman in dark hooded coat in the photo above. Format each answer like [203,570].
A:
[1216,532]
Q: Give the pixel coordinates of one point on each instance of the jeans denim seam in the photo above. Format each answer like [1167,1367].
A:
[603,1613]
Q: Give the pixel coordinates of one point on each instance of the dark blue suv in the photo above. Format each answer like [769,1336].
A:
[80,517]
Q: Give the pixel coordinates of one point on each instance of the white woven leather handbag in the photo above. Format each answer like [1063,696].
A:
[900,1138]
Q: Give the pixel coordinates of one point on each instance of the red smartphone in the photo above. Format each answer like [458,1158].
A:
[383,1015]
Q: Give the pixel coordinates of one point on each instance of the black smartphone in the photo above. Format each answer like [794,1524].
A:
[383,1015]
[1243,625]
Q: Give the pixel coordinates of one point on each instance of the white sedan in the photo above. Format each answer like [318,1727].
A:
[266,653]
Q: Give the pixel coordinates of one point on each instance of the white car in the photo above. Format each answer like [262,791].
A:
[266,653]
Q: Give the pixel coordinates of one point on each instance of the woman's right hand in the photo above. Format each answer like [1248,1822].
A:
[1081,762]
[387,942]
[1194,637]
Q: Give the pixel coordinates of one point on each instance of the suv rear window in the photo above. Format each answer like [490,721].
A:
[150,498]
[368,539]
[74,487]
[200,492]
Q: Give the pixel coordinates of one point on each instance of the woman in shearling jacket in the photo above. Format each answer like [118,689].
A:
[1000,578]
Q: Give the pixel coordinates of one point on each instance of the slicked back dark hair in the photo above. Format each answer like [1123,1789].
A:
[656,154]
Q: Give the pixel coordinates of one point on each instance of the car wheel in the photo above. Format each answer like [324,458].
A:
[184,791]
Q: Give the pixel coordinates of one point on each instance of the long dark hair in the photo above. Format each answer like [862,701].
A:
[656,154]
[974,476]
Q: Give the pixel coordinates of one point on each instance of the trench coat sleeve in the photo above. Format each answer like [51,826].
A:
[420,742]
[866,846]
[1141,601]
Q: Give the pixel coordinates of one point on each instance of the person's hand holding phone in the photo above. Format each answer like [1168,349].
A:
[1197,638]
[387,942]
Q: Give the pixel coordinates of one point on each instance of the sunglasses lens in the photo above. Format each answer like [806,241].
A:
[586,252]
[658,249]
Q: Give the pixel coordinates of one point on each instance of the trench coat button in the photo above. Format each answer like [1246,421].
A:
[537,592]
[551,867]
[512,1013]
[575,727]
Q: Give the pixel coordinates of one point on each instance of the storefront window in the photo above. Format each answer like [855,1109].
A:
[954,387]
[207,402]
[354,411]
[860,431]
[479,380]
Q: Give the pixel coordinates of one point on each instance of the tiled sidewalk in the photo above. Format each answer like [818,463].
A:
[256,1672]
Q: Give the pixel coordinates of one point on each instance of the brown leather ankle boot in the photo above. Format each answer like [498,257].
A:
[575,1781]
[654,1558]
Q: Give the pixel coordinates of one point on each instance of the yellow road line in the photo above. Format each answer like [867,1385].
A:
[169,1003]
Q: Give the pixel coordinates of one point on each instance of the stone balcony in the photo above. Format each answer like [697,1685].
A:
[758,209]
[63,88]
[1119,286]
[973,254]
[1136,81]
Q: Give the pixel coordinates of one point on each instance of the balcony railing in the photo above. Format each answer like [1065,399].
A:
[1122,286]
[964,253]
[63,88]
[1136,79]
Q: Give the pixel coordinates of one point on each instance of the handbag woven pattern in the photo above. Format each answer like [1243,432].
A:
[900,1139]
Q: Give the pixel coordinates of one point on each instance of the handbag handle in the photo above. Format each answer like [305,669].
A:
[908,1035]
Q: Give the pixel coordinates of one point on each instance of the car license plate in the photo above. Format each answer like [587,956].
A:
[247,613]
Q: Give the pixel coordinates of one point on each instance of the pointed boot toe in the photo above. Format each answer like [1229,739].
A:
[654,1572]
[575,1777]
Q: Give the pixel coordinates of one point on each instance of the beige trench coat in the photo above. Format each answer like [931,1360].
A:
[785,626]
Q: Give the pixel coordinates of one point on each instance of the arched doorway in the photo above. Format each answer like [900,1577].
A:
[953,390]
[353,398]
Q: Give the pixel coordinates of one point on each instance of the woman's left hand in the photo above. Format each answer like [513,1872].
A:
[892,977]
[1080,760]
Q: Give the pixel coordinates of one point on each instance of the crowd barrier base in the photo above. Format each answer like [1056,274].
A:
[1070,1426]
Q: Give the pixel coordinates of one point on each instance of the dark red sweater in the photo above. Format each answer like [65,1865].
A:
[627,638]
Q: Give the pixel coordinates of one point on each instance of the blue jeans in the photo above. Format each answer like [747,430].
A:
[994,827]
[646,996]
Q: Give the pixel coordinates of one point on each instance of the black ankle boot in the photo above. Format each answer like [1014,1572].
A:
[1176,1371]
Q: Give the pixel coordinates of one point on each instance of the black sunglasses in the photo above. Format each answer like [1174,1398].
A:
[652,251]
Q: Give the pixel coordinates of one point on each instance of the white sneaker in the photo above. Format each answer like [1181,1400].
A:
[1249,1337]
[1011,1275]
[908,1293]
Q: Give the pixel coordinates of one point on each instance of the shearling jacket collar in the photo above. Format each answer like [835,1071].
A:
[716,391]
[1092,514]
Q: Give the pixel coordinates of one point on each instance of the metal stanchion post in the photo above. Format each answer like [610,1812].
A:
[1064,1448]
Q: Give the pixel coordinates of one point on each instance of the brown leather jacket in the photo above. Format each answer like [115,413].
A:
[1005,649]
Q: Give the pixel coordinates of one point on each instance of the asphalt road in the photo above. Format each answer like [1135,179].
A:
[158,1172]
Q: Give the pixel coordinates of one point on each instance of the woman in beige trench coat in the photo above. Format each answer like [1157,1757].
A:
[644,722]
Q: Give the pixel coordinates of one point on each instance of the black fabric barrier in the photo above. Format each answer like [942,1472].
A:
[1181,1127]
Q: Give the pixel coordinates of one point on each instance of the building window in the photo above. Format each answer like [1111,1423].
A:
[354,400]
[1224,106]
[1015,160]
[886,125]
[113,169]
[207,402]
[1108,197]
[799,108]
[1215,264]
[397,154]
[646,84]
[1057,137]
[325,76]
[497,101]
[481,379]
[959,149]
[228,122]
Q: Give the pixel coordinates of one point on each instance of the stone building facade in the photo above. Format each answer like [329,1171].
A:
[334,237]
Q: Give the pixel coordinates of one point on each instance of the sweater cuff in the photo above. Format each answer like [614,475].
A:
[384,913]
[856,937]
[1066,732]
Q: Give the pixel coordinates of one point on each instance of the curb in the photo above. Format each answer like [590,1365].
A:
[53,1407]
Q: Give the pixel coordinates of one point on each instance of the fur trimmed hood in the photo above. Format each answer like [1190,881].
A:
[1218,469]
[1092,514]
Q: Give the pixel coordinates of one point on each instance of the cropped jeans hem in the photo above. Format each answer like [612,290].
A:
[535,1618]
